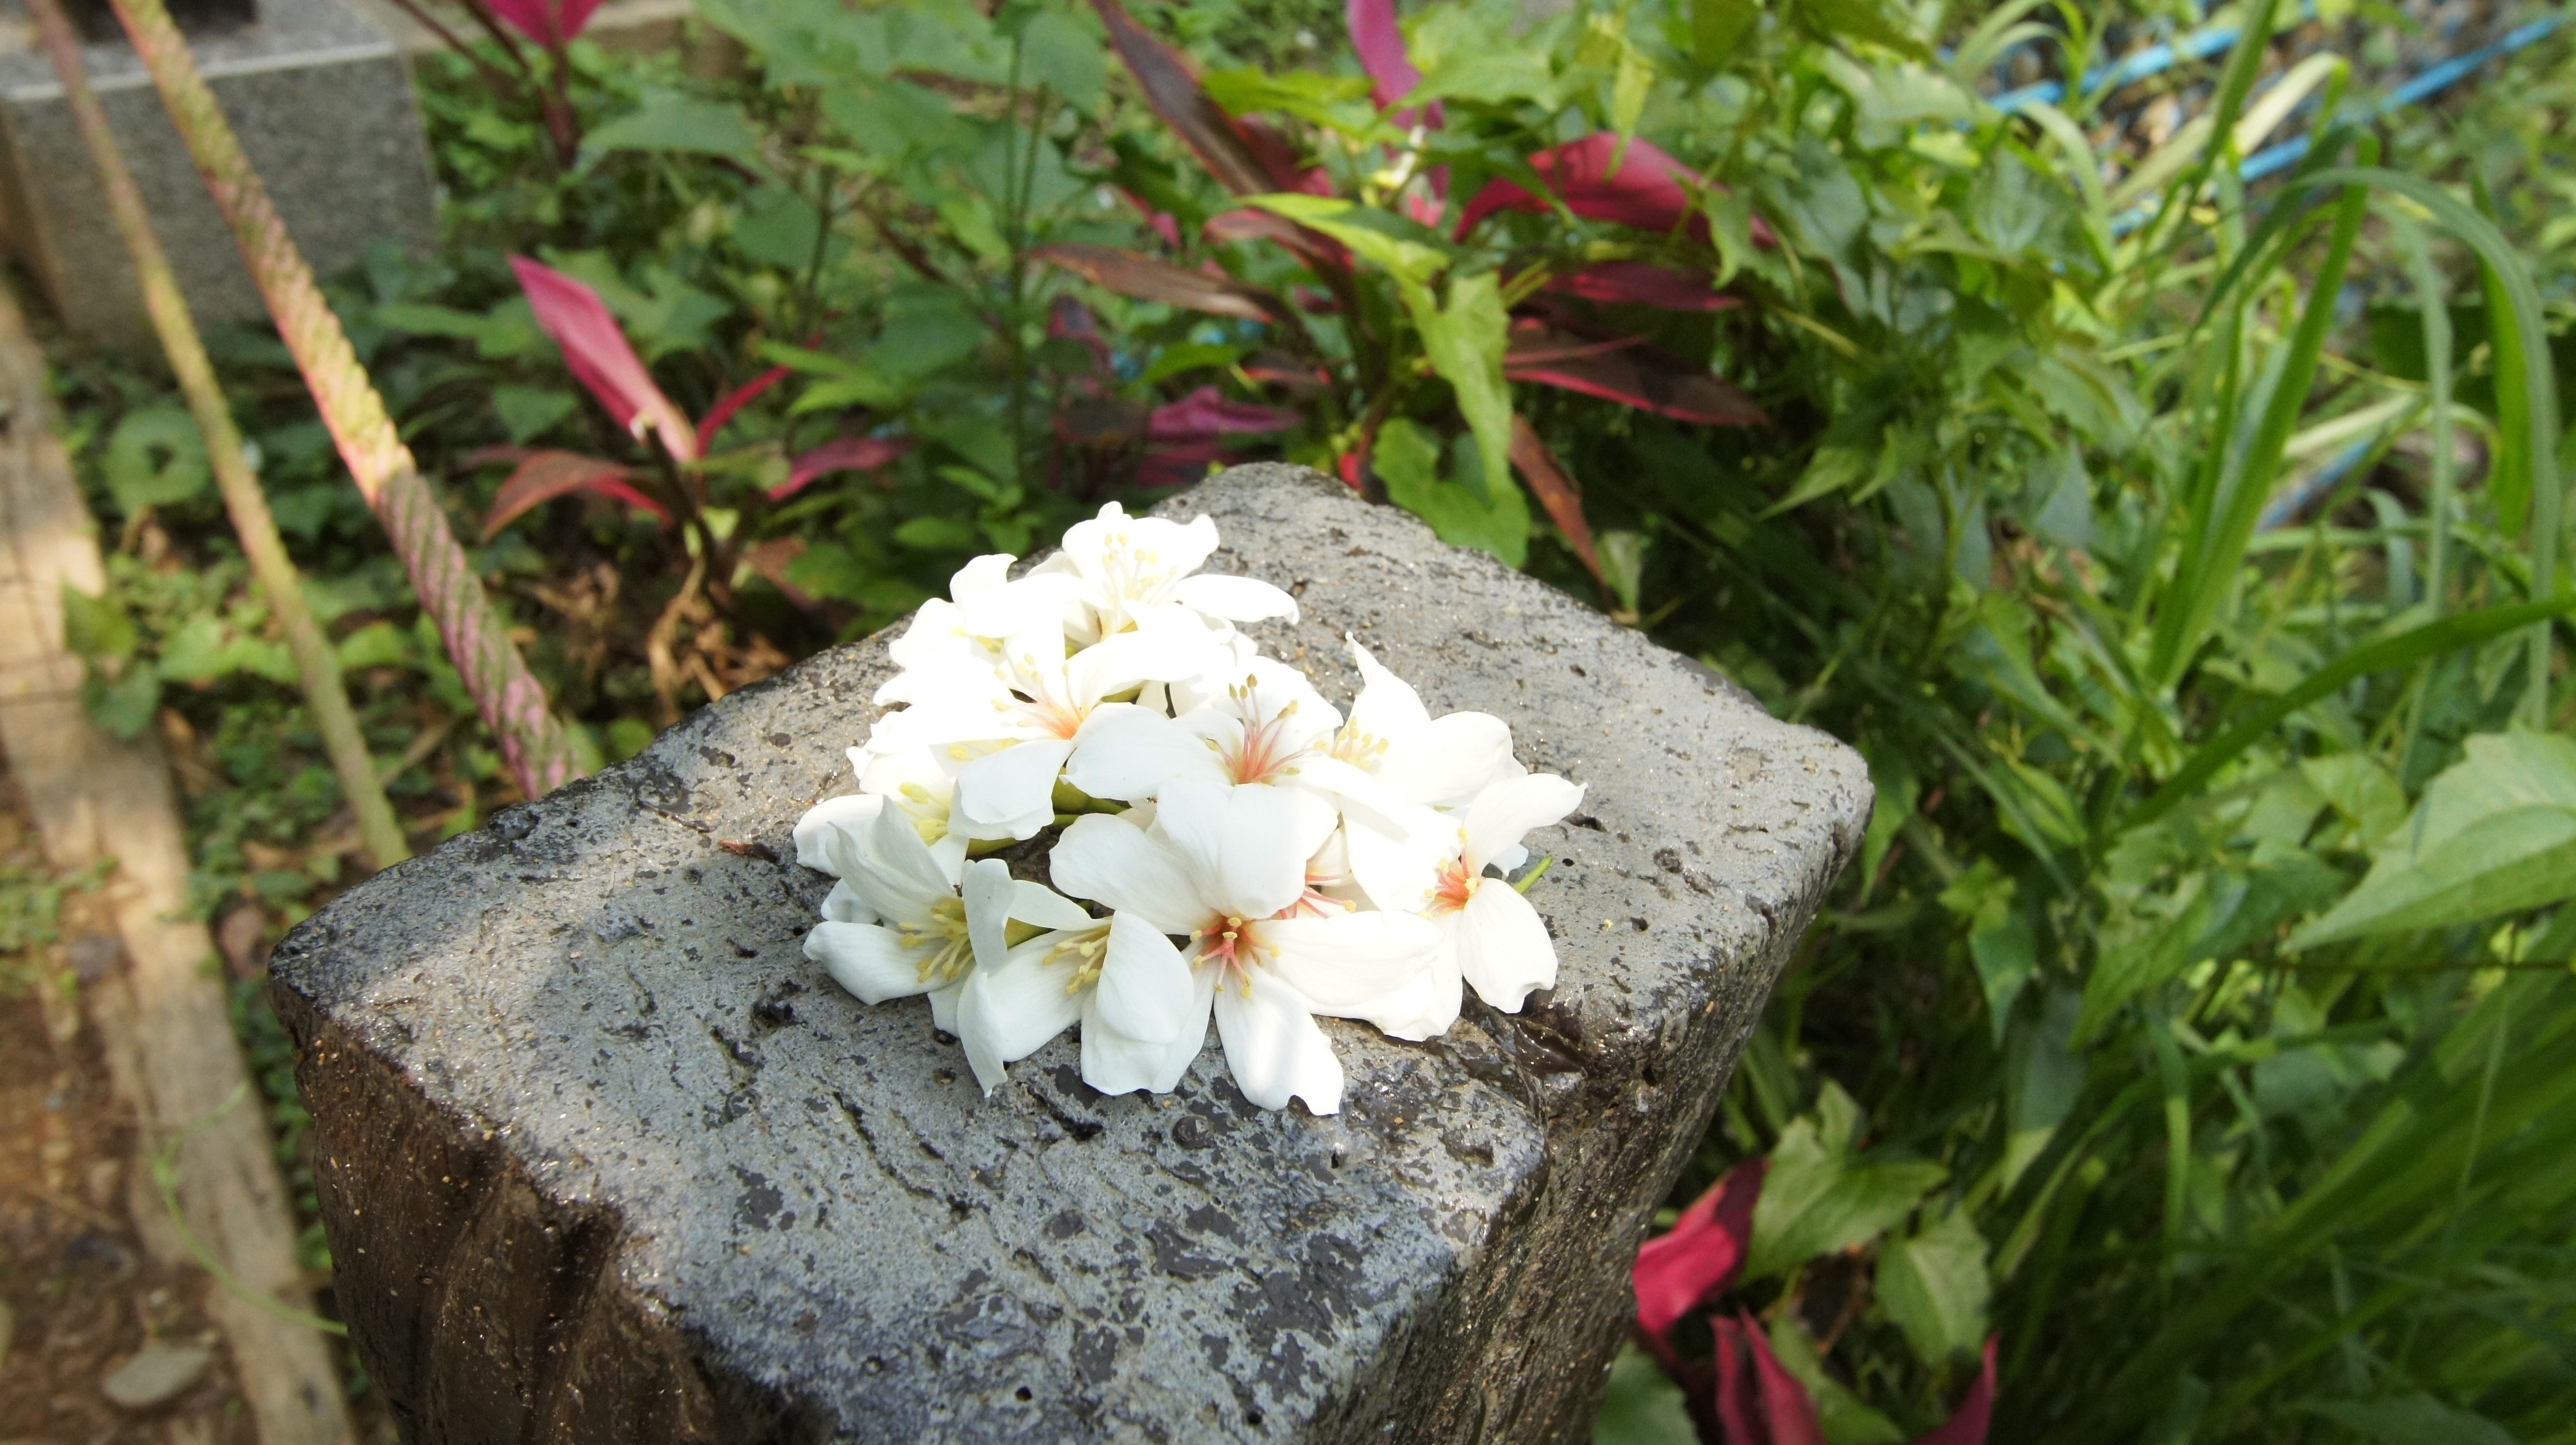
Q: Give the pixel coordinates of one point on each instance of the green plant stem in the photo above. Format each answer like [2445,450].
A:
[533,743]
[326,694]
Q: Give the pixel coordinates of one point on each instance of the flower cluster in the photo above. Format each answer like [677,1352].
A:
[1249,852]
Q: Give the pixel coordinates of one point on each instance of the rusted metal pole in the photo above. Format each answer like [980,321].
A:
[326,694]
[534,744]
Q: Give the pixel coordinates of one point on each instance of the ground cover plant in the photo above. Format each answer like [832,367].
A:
[2186,557]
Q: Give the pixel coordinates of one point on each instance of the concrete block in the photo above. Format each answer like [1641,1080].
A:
[604,1158]
[323,104]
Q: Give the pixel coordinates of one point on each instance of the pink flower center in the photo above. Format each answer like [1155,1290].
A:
[1454,887]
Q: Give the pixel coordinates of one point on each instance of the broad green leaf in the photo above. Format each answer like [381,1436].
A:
[1337,102]
[2411,1420]
[668,121]
[1643,1407]
[378,644]
[1623,565]
[1818,1200]
[154,458]
[195,651]
[126,706]
[1464,342]
[1457,506]
[1934,1286]
[1479,52]
[777,227]
[1065,56]
[2046,1076]
[527,411]
[1839,1412]
[95,627]
[1190,356]
[938,534]
[2496,834]
[926,328]
[1717,27]
[1409,252]
[2360,788]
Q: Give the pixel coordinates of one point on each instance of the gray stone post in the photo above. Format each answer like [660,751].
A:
[604,1158]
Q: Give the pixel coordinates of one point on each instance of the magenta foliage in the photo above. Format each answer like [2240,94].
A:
[842,454]
[550,23]
[600,357]
[1642,283]
[1698,1258]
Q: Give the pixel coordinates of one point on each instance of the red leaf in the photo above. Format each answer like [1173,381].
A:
[550,23]
[734,401]
[1698,1258]
[1172,88]
[1627,371]
[1649,189]
[1737,1410]
[1146,279]
[1642,283]
[1159,222]
[1203,413]
[546,475]
[1786,1409]
[1278,157]
[842,454]
[1179,464]
[1251,223]
[1102,421]
[1347,467]
[1967,1426]
[597,352]
[1392,73]
[1556,492]
[1274,368]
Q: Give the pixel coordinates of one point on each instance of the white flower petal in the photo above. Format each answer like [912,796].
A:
[1009,1009]
[1123,867]
[1397,870]
[893,872]
[1145,988]
[850,812]
[1116,1064]
[1449,760]
[1347,961]
[1352,790]
[869,961]
[988,891]
[1503,947]
[988,573]
[1387,708]
[1425,1006]
[1037,903]
[1273,1047]
[1241,845]
[1236,599]
[844,905]
[1012,786]
[1512,807]
[943,1005]
[1128,753]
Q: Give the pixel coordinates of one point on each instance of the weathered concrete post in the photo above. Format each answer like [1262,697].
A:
[604,1158]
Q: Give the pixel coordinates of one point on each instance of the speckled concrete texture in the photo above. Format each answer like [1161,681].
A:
[604,1158]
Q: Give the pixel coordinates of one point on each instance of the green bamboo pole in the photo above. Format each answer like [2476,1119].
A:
[325,693]
[533,742]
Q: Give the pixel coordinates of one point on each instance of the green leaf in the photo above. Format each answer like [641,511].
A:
[154,458]
[1458,507]
[124,707]
[2002,942]
[378,644]
[926,328]
[777,227]
[528,411]
[1817,1200]
[2411,1420]
[1464,342]
[1409,252]
[669,121]
[195,652]
[1066,57]
[1190,356]
[1623,565]
[1717,27]
[1643,1407]
[1336,102]
[1934,1286]
[2496,834]
[95,627]
[939,534]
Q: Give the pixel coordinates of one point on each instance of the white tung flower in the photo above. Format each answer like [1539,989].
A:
[959,636]
[1128,567]
[911,781]
[1225,868]
[899,924]
[1490,936]
[1007,730]
[1429,763]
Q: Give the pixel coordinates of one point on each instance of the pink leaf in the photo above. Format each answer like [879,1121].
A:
[1697,1259]
[1648,189]
[1967,1426]
[1629,372]
[1380,43]
[734,401]
[550,23]
[1278,156]
[597,352]
[1171,86]
[1203,413]
[1786,1409]
[1179,464]
[545,475]
[1556,492]
[842,454]
[1737,1410]
[1642,283]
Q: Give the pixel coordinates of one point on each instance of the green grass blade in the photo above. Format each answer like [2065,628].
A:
[2406,648]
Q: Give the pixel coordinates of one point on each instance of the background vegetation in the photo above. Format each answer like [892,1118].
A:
[2182,553]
